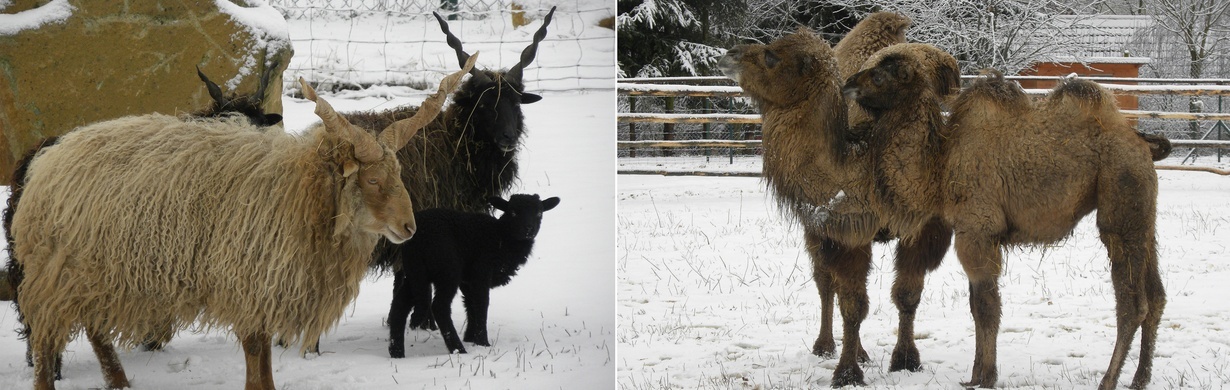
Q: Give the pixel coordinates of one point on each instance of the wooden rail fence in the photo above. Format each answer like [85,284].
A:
[719,87]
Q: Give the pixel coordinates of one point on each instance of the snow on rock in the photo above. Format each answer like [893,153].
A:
[54,12]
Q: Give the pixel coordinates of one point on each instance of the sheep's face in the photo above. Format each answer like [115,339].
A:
[387,210]
[522,214]
[785,72]
[491,105]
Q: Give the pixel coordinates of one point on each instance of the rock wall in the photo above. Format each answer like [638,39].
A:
[104,59]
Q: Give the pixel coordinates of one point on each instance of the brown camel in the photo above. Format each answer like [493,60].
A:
[1012,172]
[823,179]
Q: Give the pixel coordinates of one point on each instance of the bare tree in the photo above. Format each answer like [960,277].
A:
[1003,34]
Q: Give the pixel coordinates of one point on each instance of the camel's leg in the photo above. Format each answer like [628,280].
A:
[256,351]
[1126,217]
[112,370]
[849,267]
[915,258]
[981,258]
[824,345]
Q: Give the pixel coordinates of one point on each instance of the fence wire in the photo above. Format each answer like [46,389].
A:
[355,44]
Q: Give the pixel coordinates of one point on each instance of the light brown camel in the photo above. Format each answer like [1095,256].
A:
[823,180]
[1012,172]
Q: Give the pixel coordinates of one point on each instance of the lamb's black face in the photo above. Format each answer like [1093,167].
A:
[523,214]
[496,110]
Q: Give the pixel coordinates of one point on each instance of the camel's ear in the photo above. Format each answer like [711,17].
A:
[947,77]
[771,59]
[897,67]
[806,64]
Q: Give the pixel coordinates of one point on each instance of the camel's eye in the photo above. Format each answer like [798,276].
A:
[877,78]
[770,59]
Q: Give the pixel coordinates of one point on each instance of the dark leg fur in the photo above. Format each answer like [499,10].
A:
[112,370]
[981,257]
[849,267]
[257,354]
[442,312]
[398,310]
[476,299]
[914,260]
[1126,225]
[824,346]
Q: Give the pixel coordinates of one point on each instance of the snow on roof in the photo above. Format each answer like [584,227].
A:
[1102,60]
[54,12]
[1101,35]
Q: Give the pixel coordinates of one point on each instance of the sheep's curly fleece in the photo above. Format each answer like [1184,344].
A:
[154,220]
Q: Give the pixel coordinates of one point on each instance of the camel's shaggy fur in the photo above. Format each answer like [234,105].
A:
[827,185]
[156,220]
[1013,172]
[877,31]
[1020,173]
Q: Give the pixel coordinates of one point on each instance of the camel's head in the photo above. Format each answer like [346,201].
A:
[785,72]
[903,73]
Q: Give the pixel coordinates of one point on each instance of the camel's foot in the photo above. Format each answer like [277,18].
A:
[848,375]
[905,359]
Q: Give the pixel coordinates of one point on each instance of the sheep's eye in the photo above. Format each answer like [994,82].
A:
[371,181]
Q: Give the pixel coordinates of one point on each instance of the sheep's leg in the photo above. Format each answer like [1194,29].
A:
[256,350]
[158,340]
[418,291]
[46,347]
[981,258]
[442,312]
[477,299]
[914,260]
[849,267]
[1126,217]
[112,370]
[403,301]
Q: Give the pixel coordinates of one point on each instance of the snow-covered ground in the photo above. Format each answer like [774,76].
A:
[715,291]
[552,327]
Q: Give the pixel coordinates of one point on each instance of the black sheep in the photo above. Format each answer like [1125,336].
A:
[452,250]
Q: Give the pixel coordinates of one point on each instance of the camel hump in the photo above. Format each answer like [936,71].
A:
[994,89]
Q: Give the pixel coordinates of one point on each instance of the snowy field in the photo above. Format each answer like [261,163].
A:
[552,327]
[715,292]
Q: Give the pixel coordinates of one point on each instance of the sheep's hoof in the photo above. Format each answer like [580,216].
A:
[397,351]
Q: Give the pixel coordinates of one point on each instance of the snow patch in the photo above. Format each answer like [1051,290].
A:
[54,12]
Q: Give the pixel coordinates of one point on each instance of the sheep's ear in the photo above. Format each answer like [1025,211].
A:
[349,168]
[272,119]
[550,203]
[527,98]
[498,203]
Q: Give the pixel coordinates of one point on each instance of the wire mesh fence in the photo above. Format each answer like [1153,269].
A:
[354,44]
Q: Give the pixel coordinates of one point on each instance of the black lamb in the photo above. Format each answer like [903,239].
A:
[452,250]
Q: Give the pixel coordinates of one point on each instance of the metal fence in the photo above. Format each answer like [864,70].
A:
[353,44]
